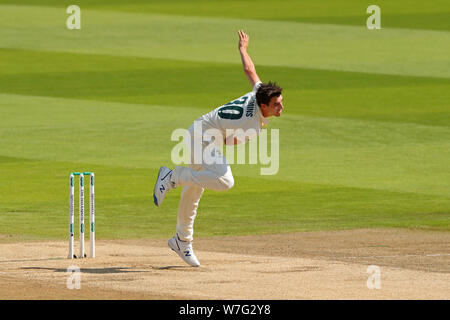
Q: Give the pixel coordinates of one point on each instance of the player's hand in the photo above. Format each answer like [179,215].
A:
[243,40]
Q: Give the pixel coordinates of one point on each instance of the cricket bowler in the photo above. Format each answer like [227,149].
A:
[251,111]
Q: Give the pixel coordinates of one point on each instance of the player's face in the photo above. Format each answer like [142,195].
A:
[276,106]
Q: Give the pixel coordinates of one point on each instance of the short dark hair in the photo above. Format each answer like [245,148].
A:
[267,91]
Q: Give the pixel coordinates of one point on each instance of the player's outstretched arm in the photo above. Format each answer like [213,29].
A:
[247,63]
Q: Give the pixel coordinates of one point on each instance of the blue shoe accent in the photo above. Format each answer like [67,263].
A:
[155,200]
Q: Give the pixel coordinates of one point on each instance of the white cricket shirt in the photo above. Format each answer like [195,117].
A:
[241,113]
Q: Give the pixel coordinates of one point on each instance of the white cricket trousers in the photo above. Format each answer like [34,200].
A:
[194,179]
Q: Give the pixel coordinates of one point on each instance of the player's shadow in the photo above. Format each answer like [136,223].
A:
[170,268]
[91,270]
[112,270]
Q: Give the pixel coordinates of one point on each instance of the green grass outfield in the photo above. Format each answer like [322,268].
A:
[364,139]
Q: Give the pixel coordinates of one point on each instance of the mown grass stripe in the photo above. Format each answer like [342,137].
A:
[409,14]
[333,47]
[205,85]
[37,205]
[357,153]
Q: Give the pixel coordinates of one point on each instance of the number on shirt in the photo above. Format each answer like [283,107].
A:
[232,110]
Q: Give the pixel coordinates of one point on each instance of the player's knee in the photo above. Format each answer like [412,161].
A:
[226,182]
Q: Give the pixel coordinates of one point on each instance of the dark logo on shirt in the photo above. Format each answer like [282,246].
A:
[250,107]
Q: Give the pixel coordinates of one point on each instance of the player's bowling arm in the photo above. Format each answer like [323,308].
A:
[247,63]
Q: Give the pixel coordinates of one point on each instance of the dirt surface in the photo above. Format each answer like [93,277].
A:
[312,265]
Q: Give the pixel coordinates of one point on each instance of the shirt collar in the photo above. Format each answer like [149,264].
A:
[264,121]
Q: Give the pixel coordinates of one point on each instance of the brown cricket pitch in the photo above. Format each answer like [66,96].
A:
[414,264]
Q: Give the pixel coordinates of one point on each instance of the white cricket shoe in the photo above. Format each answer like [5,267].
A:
[162,185]
[184,250]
